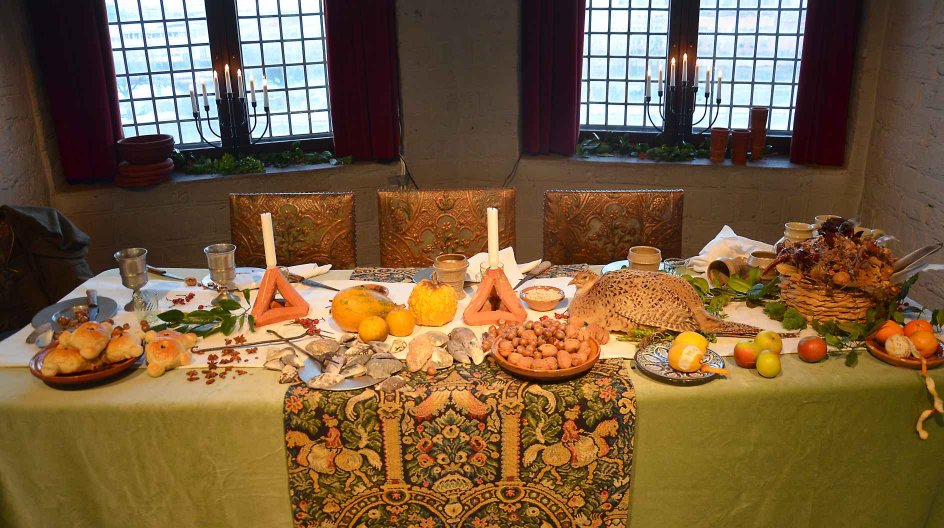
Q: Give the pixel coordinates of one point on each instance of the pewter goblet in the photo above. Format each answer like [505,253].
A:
[221,259]
[132,265]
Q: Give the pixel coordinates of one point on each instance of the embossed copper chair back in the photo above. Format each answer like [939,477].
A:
[599,227]
[416,226]
[309,227]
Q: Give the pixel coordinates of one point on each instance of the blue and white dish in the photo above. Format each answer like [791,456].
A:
[653,361]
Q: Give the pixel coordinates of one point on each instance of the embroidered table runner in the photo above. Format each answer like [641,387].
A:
[470,446]
[406,274]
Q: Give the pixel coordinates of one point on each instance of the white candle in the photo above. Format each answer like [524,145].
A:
[695,78]
[685,67]
[252,89]
[265,93]
[216,85]
[648,83]
[718,86]
[708,81]
[241,90]
[672,74]
[268,239]
[193,100]
[660,78]
[492,215]
[229,84]
[205,102]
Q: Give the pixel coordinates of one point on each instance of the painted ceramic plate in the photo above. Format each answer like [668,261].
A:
[878,350]
[107,308]
[79,379]
[653,361]
[622,264]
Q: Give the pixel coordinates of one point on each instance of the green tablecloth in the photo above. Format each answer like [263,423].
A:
[822,445]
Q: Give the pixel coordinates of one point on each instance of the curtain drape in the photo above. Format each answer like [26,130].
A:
[825,85]
[73,48]
[551,59]
[363,77]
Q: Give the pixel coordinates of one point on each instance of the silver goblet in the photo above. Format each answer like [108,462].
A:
[221,259]
[132,265]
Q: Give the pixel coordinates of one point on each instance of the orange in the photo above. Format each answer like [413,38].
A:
[401,322]
[373,328]
[887,330]
[692,338]
[917,325]
[925,342]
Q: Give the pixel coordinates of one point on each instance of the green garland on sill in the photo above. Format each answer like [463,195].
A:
[189,163]
[619,144]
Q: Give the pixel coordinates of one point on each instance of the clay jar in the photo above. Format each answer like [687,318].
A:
[719,144]
[450,269]
[758,132]
[740,143]
[644,258]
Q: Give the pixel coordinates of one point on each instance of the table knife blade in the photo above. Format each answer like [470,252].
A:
[91,299]
[164,273]
[537,270]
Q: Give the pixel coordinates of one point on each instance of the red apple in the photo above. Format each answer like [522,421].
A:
[745,354]
[812,349]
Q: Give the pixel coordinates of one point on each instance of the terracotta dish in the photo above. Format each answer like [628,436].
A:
[539,305]
[89,378]
[146,149]
[551,375]
[878,350]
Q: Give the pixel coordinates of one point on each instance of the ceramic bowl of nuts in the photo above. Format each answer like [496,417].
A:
[542,298]
[544,350]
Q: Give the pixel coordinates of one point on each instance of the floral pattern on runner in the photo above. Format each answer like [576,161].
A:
[384,274]
[470,446]
[563,270]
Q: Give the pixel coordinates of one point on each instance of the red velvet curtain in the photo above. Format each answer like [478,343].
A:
[825,86]
[73,48]
[363,77]
[551,62]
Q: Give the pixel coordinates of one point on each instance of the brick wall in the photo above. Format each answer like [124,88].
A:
[904,178]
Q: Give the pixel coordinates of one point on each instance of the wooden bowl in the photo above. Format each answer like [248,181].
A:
[146,149]
[551,375]
[541,306]
[79,379]
[878,350]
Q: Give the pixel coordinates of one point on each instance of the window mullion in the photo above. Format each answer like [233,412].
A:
[222,27]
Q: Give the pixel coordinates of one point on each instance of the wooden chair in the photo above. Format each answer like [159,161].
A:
[599,227]
[416,226]
[309,227]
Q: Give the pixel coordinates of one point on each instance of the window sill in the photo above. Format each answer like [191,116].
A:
[772,162]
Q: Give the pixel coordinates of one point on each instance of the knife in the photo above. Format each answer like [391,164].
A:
[91,297]
[310,282]
[535,271]
[164,273]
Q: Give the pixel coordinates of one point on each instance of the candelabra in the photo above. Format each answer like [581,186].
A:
[232,111]
[680,110]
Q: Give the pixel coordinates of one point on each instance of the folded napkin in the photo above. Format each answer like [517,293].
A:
[726,244]
[251,277]
[506,256]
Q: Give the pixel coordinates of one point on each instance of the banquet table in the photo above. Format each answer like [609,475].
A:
[821,445]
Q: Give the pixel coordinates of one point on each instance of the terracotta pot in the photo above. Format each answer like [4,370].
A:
[758,132]
[719,144]
[143,175]
[740,142]
[146,149]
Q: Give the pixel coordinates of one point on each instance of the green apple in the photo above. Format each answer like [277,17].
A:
[769,340]
[768,364]
[745,354]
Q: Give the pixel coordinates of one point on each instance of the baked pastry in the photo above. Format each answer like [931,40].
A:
[122,347]
[90,338]
[166,350]
[65,359]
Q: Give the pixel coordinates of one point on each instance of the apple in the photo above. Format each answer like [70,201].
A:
[768,364]
[769,340]
[745,354]
[812,349]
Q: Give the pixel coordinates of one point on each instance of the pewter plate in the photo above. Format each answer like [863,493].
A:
[423,274]
[107,308]
[653,361]
[623,264]
[312,368]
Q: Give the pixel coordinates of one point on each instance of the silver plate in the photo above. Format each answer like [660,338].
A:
[623,264]
[107,308]
[312,368]
[423,274]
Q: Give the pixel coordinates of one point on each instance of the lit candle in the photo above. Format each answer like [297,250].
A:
[229,84]
[672,74]
[268,240]
[648,83]
[660,79]
[685,67]
[265,93]
[205,102]
[492,215]
[252,89]
[216,85]
[193,100]
[708,81]
[241,90]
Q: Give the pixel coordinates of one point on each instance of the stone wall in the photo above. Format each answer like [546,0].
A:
[904,179]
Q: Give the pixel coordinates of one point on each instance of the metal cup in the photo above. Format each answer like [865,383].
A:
[132,265]
[221,259]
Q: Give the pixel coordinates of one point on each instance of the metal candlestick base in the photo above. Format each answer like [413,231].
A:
[221,259]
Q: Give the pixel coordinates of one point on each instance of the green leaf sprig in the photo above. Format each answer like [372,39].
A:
[749,289]
[223,319]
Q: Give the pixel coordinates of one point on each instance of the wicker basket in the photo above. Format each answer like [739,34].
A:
[814,301]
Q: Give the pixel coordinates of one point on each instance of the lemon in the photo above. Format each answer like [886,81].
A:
[373,328]
[692,338]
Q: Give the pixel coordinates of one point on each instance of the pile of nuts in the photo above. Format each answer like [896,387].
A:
[547,344]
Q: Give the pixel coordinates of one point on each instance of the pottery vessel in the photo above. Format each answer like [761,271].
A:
[758,132]
[450,269]
[644,258]
[146,149]
[740,143]
[719,144]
